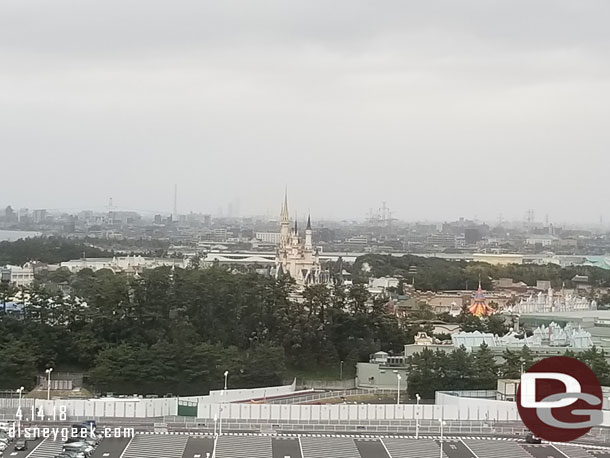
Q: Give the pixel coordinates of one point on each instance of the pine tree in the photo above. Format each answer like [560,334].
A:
[423,379]
[460,371]
[569,354]
[511,367]
[527,358]
[596,360]
[486,368]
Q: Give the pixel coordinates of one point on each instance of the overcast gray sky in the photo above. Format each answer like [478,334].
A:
[441,108]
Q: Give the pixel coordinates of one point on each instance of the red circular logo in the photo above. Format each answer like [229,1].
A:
[559,399]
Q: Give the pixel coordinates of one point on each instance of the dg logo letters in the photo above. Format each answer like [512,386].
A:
[560,399]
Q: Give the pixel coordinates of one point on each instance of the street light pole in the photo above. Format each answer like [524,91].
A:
[441,453]
[341,371]
[20,390]
[48,371]
[221,407]
[398,390]
[417,399]
[220,420]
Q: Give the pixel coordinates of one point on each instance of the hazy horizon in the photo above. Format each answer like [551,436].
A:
[441,109]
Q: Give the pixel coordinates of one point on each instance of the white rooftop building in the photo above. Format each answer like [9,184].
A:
[133,264]
[552,336]
[551,302]
[19,276]
[379,285]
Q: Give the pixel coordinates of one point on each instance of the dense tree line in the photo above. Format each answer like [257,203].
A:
[50,250]
[177,330]
[431,371]
[436,274]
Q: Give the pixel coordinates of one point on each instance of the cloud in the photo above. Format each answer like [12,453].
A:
[440,108]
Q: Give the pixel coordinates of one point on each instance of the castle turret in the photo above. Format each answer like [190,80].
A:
[296,241]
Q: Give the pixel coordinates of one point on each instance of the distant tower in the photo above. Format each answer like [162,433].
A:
[175,213]
[308,234]
[284,222]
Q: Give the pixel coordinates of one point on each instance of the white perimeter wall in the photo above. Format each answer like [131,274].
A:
[95,408]
[447,407]
[242,395]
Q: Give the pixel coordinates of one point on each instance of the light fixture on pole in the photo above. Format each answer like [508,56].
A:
[442,424]
[417,411]
[48,371]
[220,419]
[226,375]
[19,413]
[341,371]
[398,376]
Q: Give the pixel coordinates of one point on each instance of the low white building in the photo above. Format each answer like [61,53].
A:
[544,240]
[269,237]
[381,284]
[130,264]
[19,276]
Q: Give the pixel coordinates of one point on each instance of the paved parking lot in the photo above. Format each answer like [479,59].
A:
[600,454]
[543,451]
[199,447]
[371,448]
[47,448]
[310,446]
[456,449]
[111,448]
[10,450]
[286,447]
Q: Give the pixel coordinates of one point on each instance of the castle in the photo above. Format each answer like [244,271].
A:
[296,257]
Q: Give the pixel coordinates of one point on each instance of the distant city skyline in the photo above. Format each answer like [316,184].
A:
[443,109]
[222,212]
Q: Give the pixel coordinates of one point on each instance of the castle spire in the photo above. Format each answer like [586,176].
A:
[284,215]
[308,234]
[284,222]
[296,228]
